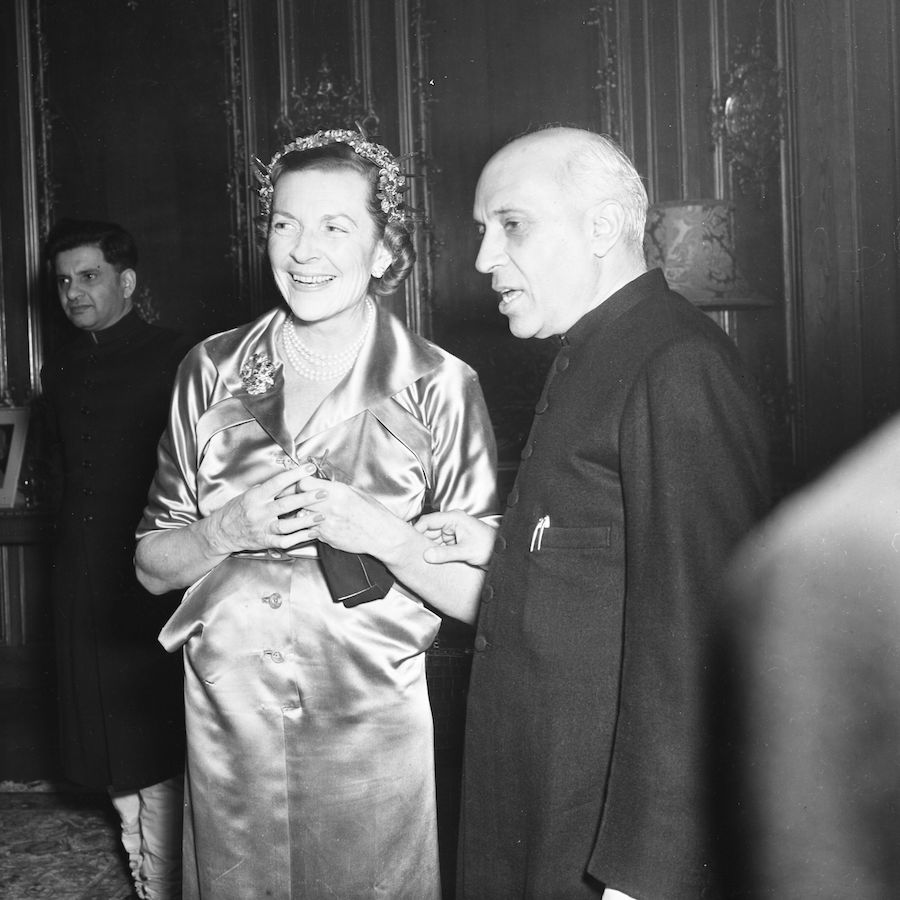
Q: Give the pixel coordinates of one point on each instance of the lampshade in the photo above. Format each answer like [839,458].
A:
[692,241]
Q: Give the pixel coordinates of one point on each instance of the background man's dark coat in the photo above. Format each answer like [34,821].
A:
[121,706]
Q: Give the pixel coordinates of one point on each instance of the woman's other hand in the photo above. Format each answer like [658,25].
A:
[348,519]
[457,537]
[267,516]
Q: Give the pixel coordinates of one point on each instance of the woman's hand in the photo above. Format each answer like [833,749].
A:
[352,521]
[458,537]
[347,519]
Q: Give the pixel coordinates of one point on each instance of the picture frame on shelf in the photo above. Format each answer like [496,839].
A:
[13,431]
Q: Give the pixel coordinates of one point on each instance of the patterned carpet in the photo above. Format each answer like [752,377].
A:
[59,845]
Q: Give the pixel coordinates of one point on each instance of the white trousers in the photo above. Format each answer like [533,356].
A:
[151,834]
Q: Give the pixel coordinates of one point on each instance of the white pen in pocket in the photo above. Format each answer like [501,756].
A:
[537,536]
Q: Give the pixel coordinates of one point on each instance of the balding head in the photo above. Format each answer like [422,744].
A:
[591,168]
[562,215]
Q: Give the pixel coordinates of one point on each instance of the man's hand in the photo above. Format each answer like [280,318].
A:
[458,537]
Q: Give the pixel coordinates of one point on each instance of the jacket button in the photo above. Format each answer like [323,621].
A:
[488,594]
[562,363]
[481,643]
[527,451]
[273,600]
[500,543]
[542,407]
[275,655]
[513,497]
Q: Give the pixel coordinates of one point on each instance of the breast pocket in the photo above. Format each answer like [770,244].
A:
[593,538]
[575,588]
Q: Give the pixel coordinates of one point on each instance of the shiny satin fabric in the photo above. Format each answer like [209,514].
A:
[310,750]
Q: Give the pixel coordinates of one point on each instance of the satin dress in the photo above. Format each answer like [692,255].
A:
[310,770]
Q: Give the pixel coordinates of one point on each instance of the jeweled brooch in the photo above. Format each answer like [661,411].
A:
[258,374]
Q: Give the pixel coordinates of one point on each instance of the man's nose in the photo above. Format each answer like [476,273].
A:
[72,290]
[490,254]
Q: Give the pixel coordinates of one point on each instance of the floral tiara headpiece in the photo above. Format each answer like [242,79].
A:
[391,181]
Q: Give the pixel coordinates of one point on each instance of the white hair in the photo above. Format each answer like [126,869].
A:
[595,168]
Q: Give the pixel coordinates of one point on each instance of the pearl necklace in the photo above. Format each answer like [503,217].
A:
[322,366]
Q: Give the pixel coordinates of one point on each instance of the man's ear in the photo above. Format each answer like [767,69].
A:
[128,280]
[606,221]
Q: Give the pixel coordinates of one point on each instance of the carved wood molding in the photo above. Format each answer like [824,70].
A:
[603,15]
[244,248]
[414,99]
[37,183]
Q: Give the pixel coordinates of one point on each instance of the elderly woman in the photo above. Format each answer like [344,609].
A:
[300,450]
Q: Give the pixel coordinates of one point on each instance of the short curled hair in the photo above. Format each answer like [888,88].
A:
[397,236]
[114,242]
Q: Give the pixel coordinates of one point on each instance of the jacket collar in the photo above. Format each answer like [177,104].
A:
[600,317]
[391,359]
[126,327]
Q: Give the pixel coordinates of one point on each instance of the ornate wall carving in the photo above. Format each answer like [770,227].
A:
[747,117]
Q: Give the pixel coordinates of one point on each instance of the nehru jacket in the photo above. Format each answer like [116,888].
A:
[121,709]
[586,756]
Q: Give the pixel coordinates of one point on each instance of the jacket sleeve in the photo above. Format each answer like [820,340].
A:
[50,434]
[172,501]
[463,450]
[694,470]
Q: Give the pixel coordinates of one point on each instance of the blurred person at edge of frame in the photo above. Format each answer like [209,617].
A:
[809,667]
[300,449]
[106,395]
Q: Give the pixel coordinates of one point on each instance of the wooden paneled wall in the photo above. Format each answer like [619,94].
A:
[682,64]
[135,111]
[493,73]
[844,184]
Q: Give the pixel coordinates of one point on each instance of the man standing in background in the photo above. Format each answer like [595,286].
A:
[120,694]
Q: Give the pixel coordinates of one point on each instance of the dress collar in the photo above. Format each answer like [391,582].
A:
[390,359]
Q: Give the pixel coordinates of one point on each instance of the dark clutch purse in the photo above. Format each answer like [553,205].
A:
[352,578]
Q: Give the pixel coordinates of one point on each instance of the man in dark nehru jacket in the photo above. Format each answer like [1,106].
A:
[120,693]
[587,754]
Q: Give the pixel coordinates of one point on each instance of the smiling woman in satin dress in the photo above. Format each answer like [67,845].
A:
[310,760]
